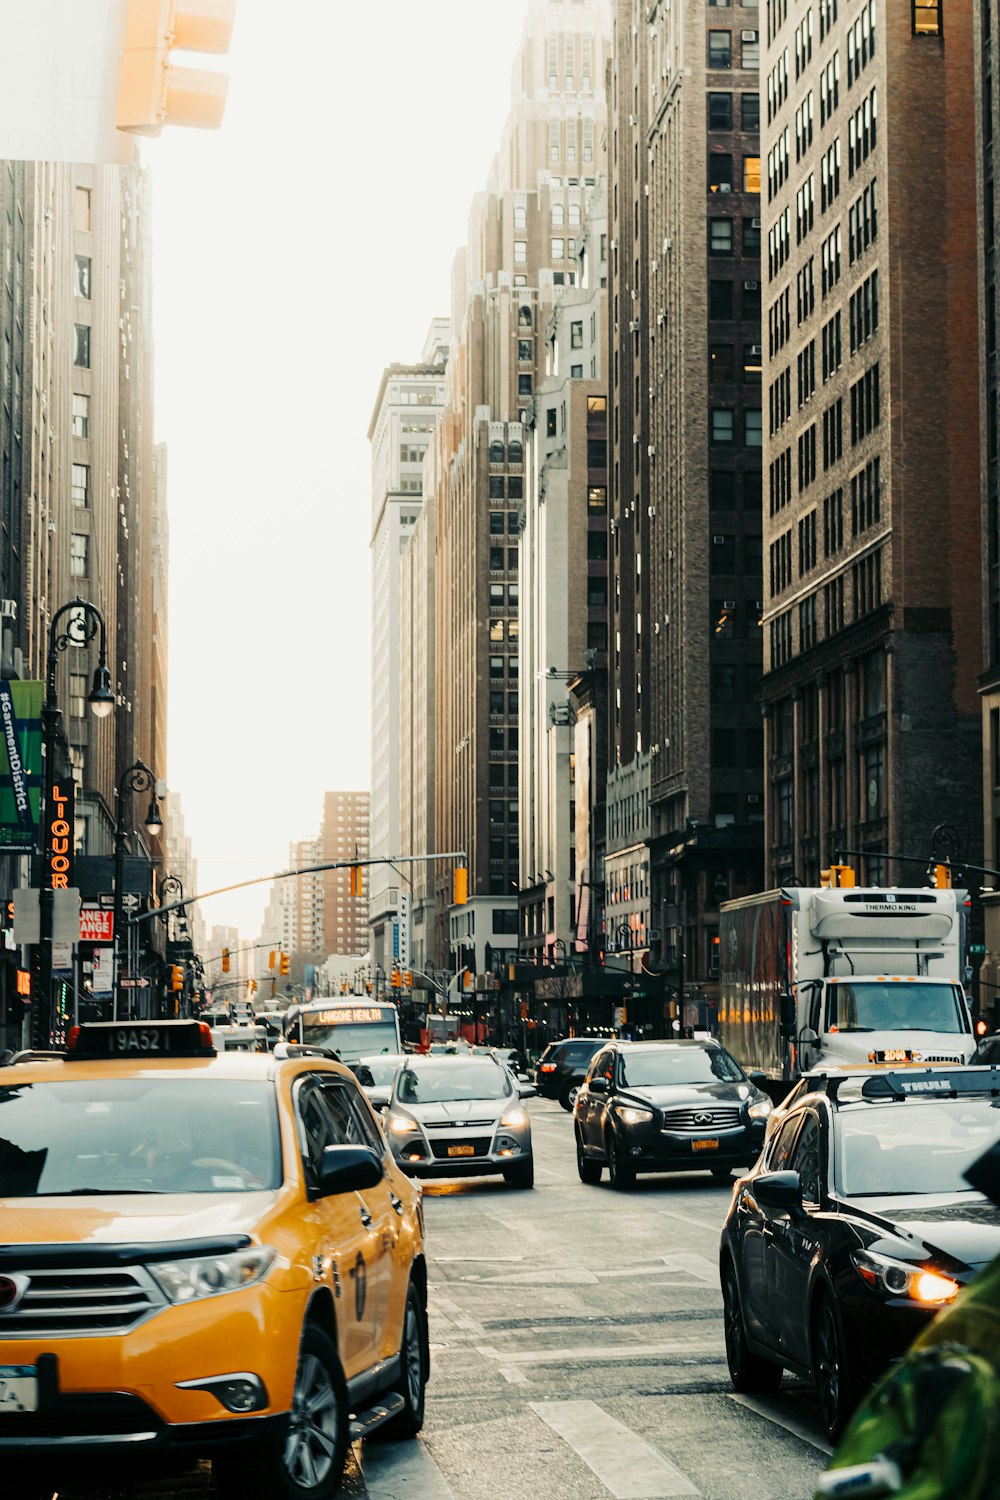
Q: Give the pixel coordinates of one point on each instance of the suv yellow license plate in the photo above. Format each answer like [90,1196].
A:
[704,1145]
[18,1388]
[461,1150]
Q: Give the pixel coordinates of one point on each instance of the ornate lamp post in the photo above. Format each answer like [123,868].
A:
[85,622]
[136,778]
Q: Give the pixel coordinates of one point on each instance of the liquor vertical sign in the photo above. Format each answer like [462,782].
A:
[59,835]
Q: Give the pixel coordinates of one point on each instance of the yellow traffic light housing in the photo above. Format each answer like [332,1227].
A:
[153,91]
[284,965]
[356,881]
[225,961]
[409,979]
[272,958]
[941,877]
[460,886]
[176,977]
[838,877]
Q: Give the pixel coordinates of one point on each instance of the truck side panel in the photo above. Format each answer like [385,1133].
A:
[753,974]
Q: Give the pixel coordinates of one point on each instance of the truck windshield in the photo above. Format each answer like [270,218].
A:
[131,1135]
[894,1005]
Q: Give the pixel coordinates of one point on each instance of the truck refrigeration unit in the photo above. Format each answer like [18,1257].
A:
[843,976]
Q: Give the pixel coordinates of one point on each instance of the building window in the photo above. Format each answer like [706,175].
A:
[597,546]
[720,236]
[558,249]
[520,217]
[83,268]
[79,555]
[524,385]
[750,50]
[597,497]
[751,237]
[751,174]
[720,49]
[81,415]
[753,434]
[720,172]
[720,111]
[722,424]
[750,111]
[576,335]
[514,487]
[81,346]
[927,19]
[720,300]
[722,489]
[81,209]
[720,364]
[77,695]
[521,259]
[80,485]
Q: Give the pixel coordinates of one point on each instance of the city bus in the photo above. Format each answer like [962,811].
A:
[350,1028]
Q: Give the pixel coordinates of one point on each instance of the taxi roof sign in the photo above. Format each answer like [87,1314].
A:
[139,1040]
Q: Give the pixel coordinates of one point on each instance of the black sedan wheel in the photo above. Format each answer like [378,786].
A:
[836,1386]
[568,1096]
[748,1372]
[620,1169]
[590,1171]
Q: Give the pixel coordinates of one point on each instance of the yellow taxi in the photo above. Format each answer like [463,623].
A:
[201,1256]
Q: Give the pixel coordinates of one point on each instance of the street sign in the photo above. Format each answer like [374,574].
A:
[102,981]
[131,902]
[27,923]
[97,925]
[405,903]
[395,940]
[128,983]
[977,950]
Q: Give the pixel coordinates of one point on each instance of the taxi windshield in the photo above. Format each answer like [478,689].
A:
[131,1135]
[920,1147]
[452,1079]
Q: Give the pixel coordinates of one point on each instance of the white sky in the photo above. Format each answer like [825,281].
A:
[297,252]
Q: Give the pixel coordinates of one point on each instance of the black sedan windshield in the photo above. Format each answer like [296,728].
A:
[150,1135]
[438,1082]
[922,1147]
[668,1065]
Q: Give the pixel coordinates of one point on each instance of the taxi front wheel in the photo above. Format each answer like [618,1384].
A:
[308,1463]
[414,1359]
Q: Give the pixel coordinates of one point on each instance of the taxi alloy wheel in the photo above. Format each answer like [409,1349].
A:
[748,1372]
[414,1360]
[621,1171]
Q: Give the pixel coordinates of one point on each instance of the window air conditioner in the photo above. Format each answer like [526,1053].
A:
[756,350]
[755,223]
[651,509]
[729,603]
[631,119]
[748,36]
[751,286]
[651,453]
[717,539]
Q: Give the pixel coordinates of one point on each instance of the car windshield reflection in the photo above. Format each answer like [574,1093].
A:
[446,1081]
[666,1066]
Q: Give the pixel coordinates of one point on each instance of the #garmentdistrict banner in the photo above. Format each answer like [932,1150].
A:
[21,767]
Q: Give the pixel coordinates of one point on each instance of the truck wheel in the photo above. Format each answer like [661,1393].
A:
[748,1372]
[308,1463]
[414,1359]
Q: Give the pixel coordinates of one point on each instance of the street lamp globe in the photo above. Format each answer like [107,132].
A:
[100,697]
[154,819]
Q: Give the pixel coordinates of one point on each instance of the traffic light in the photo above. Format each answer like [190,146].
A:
[176,977]
[356,880]
[409,979]
[460,886]
[397,980]
[837,877]
[343,986]
[225,960]
[941,877]
[153,92]
[271,957]
[285,964]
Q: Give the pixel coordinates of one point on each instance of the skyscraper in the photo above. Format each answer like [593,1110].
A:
[344,834]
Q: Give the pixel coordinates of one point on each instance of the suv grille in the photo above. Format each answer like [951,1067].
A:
[696,1120]
[71,1302]
[457,1124]
[479,1148]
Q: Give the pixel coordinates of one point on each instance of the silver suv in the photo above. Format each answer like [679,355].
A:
[460,1117]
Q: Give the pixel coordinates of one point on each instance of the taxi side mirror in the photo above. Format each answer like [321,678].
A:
[781,1191]
[348,1169]
[598,1085]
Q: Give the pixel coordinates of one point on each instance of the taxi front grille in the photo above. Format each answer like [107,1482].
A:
[700,1120]
[71,1302]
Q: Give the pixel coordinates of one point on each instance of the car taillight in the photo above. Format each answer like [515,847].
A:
[548,1067]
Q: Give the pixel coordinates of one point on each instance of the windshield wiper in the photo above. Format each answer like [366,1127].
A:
[95,1192]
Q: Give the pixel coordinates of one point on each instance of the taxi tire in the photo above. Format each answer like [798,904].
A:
[748,1372]
[414,1356]
[259,1472]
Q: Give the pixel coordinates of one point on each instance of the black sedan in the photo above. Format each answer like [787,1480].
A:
[855,1227]
[667,1107]
[563,1066]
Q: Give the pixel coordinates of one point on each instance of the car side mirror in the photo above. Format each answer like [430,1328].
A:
[348,1169]
[757,1077]
[598,1085]
[779,1190]
[787,1014]
[526,1091]
[808,1037]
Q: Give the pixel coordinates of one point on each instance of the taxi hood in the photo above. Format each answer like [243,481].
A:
[957,1226]
[122,1219]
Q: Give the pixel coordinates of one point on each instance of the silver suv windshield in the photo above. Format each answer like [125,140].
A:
[452,1080]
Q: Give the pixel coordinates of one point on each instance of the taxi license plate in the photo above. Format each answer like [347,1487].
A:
[704,1145]
[461,1150]
[18,1388]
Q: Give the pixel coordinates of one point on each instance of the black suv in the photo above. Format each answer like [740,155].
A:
[680,1106]
[563,1066]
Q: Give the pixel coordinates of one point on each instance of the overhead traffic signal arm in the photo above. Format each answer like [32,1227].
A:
[155,92]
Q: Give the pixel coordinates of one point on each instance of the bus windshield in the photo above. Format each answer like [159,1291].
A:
[352,1031]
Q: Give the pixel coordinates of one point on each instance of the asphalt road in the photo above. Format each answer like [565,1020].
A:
[578,1353]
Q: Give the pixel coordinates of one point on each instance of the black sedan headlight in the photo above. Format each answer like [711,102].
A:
[900,1278]
[634,1114]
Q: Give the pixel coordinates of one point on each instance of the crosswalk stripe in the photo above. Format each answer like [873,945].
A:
[626,1465]
[403,1471]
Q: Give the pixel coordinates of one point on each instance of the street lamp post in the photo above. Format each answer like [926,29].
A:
[85,622]
[136,778]
[172,885]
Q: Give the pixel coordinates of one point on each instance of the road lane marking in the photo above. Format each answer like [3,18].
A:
[626,1465]
[672,1213]
[514,1377]
[780,1419]
[595,1354]
[403,1471]
[695,1265]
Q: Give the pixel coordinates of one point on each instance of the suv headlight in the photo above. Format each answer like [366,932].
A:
[898,1278]
[400,1125]
[211,1275]
[630,1114]
[760,1110]
[514,1117]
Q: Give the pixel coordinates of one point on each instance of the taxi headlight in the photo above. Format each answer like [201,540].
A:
[211,1275]
[514,1117]
[898,1278]
[629,1115]
[760,1110]
[401,1125]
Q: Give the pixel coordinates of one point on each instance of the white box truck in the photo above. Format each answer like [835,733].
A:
[843,976]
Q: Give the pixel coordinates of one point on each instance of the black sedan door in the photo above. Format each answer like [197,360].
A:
[592,1105]
[791,1244]
[756,1226]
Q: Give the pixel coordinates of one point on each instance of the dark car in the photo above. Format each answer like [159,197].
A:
[855,1227]
[680,1106]
[563,1066]
[987,1052]
[376,1073]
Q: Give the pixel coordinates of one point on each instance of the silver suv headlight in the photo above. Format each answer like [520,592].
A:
[211,1275]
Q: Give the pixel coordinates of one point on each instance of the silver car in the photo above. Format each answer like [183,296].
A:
[460,1117]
